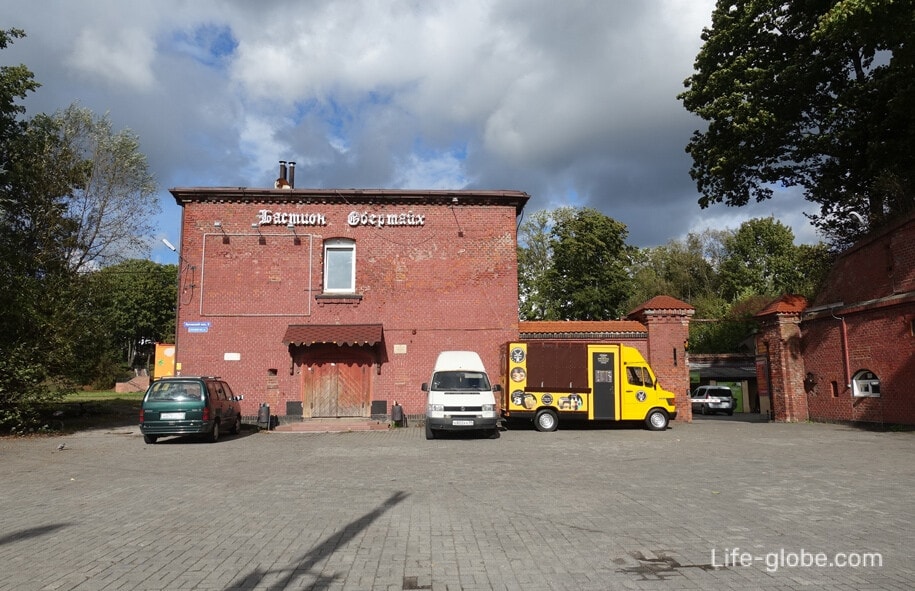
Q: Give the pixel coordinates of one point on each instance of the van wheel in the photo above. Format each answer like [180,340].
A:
[546,421]
[236,426]
[657,420]
[214,434]
[430,434]
[150,439]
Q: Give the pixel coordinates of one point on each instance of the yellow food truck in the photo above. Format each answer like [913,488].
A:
[551,381]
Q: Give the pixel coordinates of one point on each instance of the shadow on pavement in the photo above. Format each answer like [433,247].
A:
[308,560]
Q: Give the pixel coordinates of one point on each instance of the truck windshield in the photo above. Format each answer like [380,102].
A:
[460,380]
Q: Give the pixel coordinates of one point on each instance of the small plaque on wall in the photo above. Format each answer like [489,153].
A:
[400,349]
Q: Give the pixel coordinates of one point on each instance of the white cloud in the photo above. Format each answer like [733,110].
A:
[118,58]
[573,102]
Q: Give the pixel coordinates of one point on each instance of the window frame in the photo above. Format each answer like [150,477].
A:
[865,384]
[332,245]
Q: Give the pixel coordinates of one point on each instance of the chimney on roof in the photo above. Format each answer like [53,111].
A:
[291,175]
[281,182]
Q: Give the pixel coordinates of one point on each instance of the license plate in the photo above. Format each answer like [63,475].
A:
[459,423]
[172,416]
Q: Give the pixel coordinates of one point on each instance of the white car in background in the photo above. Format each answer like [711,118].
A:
[713,399]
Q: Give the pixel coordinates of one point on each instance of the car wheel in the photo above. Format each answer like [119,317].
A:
[657,420]
[730,413]
[495,434]
[704,410]
[236,426]
[150,439]
[214,434]
[546,421]
[430,433]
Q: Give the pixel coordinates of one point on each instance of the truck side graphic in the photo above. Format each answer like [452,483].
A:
[552,381]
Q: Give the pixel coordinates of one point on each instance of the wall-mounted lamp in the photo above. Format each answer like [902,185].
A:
[172,248]
[225,237]
[454,201]
[257,228]
[291,228]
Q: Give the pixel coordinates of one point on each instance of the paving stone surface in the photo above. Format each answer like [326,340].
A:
[716,504]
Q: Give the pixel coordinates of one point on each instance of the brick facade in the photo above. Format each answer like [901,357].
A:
[449,282]
[862,322]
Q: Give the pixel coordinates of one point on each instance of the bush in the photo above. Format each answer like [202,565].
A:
[24,390]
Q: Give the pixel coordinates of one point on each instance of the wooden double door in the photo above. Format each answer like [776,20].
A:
[337,387]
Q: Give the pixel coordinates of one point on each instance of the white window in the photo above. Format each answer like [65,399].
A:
[865,383]
[339,266]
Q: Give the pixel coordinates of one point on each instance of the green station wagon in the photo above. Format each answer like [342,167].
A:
[187,405]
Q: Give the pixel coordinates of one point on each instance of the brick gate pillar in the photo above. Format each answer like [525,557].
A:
[667,320]
[780,365]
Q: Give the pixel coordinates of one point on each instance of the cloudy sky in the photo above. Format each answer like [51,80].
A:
[573,102]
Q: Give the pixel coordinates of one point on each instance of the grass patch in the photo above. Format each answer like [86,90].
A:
[92,410]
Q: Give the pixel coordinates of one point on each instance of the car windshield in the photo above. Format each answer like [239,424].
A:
[175,391]
[460,380]
[720,392]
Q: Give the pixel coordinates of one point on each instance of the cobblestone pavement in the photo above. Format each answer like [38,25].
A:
[715,504]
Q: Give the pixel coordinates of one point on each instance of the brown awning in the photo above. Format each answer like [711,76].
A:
[334,334]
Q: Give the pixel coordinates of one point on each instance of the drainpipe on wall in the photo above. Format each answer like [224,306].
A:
[845,361]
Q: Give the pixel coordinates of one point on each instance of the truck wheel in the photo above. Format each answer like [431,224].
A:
[149,439]
[430,434]
[236,426]
[657,420]
[546,421]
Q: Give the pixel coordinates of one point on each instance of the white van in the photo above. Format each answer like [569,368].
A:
[460,395]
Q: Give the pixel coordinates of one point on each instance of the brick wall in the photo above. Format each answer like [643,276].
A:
[450,283]
[861,320]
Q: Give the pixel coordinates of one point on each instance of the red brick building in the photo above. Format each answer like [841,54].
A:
[849,355]
[335,302]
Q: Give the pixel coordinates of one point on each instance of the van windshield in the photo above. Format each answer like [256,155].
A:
[460,380]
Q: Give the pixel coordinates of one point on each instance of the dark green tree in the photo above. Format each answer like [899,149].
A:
[37,295]
[135,303]
[535,257]
[588,278]
[71,195]
[818,95]
[761,259]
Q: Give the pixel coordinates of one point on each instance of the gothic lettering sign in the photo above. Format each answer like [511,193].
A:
[266,217]
[379,220]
